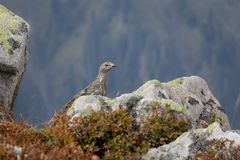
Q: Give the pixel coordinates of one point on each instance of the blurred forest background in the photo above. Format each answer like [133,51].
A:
[146,39]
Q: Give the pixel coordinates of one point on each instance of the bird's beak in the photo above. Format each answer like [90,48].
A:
[113,65]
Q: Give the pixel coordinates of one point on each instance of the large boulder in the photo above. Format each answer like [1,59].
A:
[14,35]
[188,96]
[204,143]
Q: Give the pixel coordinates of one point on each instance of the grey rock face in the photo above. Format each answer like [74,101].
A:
[200,103]
[188,96]
[186,146]
[14,33]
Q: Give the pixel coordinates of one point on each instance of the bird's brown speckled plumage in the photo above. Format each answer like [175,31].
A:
[97,87]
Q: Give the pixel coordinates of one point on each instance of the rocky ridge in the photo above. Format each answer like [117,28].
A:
[189,96]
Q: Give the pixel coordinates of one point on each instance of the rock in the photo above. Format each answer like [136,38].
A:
[195,141]
[15,151]
[201,105]
[95,157]
[127,101]
[188,96]
[85,105]
[14,33]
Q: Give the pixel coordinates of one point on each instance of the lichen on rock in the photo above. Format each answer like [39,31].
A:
[10,27]
[173,105]
[14,36]
[175,82]
[85,105]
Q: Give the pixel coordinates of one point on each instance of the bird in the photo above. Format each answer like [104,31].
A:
[97,87]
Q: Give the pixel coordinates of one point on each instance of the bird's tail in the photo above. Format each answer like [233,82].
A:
[67,106]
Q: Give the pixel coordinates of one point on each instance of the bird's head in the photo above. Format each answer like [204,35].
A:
[106,66]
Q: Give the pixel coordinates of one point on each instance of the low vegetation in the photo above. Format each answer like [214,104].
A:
[103,134]
[221,149]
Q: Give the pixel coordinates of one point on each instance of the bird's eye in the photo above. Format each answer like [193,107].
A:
[106,65]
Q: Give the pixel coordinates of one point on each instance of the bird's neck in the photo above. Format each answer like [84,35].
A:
[101,76]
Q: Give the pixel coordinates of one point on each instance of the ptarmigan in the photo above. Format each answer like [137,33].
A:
[97,87]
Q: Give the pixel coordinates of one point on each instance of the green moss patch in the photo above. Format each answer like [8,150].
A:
[155,83]
[170,104]
[175,82]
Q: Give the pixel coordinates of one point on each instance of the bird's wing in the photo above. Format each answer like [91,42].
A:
[85,91]
[70,102]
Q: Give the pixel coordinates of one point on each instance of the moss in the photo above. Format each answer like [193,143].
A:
[175,82]
[221,121]
[218,118]
[8,25]
[211,127]
[110,102]
[147,157]
[155,83]
[70,111]
[148,107]
[197,131]
[170,104]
